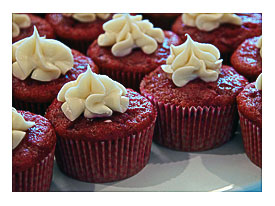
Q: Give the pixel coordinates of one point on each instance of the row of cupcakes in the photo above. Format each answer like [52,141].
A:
[193,94]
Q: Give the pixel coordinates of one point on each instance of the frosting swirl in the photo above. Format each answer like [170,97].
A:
[46,59]
[19,128]
[19,21]
[192,60]
[210,21]
[258,83]
[259,45]
[125,32]
[87,17]
[95,95]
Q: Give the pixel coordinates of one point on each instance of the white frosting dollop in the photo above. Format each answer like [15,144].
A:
[192,60]
[125,32]
[210,21]
[46,59]
[259,45]
[19,128]
[258,83]
[95,95]
[87,17]
[19,21]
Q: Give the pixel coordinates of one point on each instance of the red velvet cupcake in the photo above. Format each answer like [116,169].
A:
[225,31]
[195,98]
[162,20]
[22,26]
[116,54]
[40,72]
[250,111]
[33,146]
[247,58]
[78,30]
[104,132]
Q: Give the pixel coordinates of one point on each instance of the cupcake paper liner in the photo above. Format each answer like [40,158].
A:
[128,79]
[35,179]
[194,128]
[106,160]
[36,108]
[252,140]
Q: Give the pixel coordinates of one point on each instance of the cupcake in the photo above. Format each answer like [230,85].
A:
[33,146]
[23,24]
[247,58]
[104,131]
[130,48]
[78,30]
[250,111]
[40,67]
[195,98]
[226,31]
[162,20]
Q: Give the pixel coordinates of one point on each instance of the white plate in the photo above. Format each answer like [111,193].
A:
[226,168]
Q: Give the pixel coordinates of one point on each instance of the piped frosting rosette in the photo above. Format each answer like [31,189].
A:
[19,21]
[94,95]
[210,21]
[125,32]
[192,60]
[87,17]
[19,127]
[259,45]
[45,59]
[258,83]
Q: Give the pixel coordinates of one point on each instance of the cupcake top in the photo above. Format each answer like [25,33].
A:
[193,76]
[38,141]
[43,59]
[87,17]
[250,101]
[125,32]
[19,21]
[94,95]
[19,127]
[210,21]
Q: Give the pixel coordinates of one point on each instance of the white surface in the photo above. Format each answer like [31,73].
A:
[226,168]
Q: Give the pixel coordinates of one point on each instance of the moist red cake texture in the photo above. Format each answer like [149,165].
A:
[139,115]
[38,142]
[247,60]
[43,27]
[69,28]
[30,90]
[227,37]
[137,60]
[250,104]
[197,92]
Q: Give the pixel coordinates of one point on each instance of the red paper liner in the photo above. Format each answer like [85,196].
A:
[107,160]
[252,140]
[194,128]
[35,179]
[36,108]
[128,79]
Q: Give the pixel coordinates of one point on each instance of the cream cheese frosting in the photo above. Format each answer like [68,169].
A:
[192,60]
[125,32]
[87,17]
[258,83]
[259,45]
[45,59]
[19,127]
[210,21]
[94,95]
[19,21]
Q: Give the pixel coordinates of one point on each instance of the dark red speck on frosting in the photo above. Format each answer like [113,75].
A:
[38,142]
[139,115]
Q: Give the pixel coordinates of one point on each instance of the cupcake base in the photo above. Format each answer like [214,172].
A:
[35,179]
[36,108]
[252,140]
[107,160]
[194,128]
